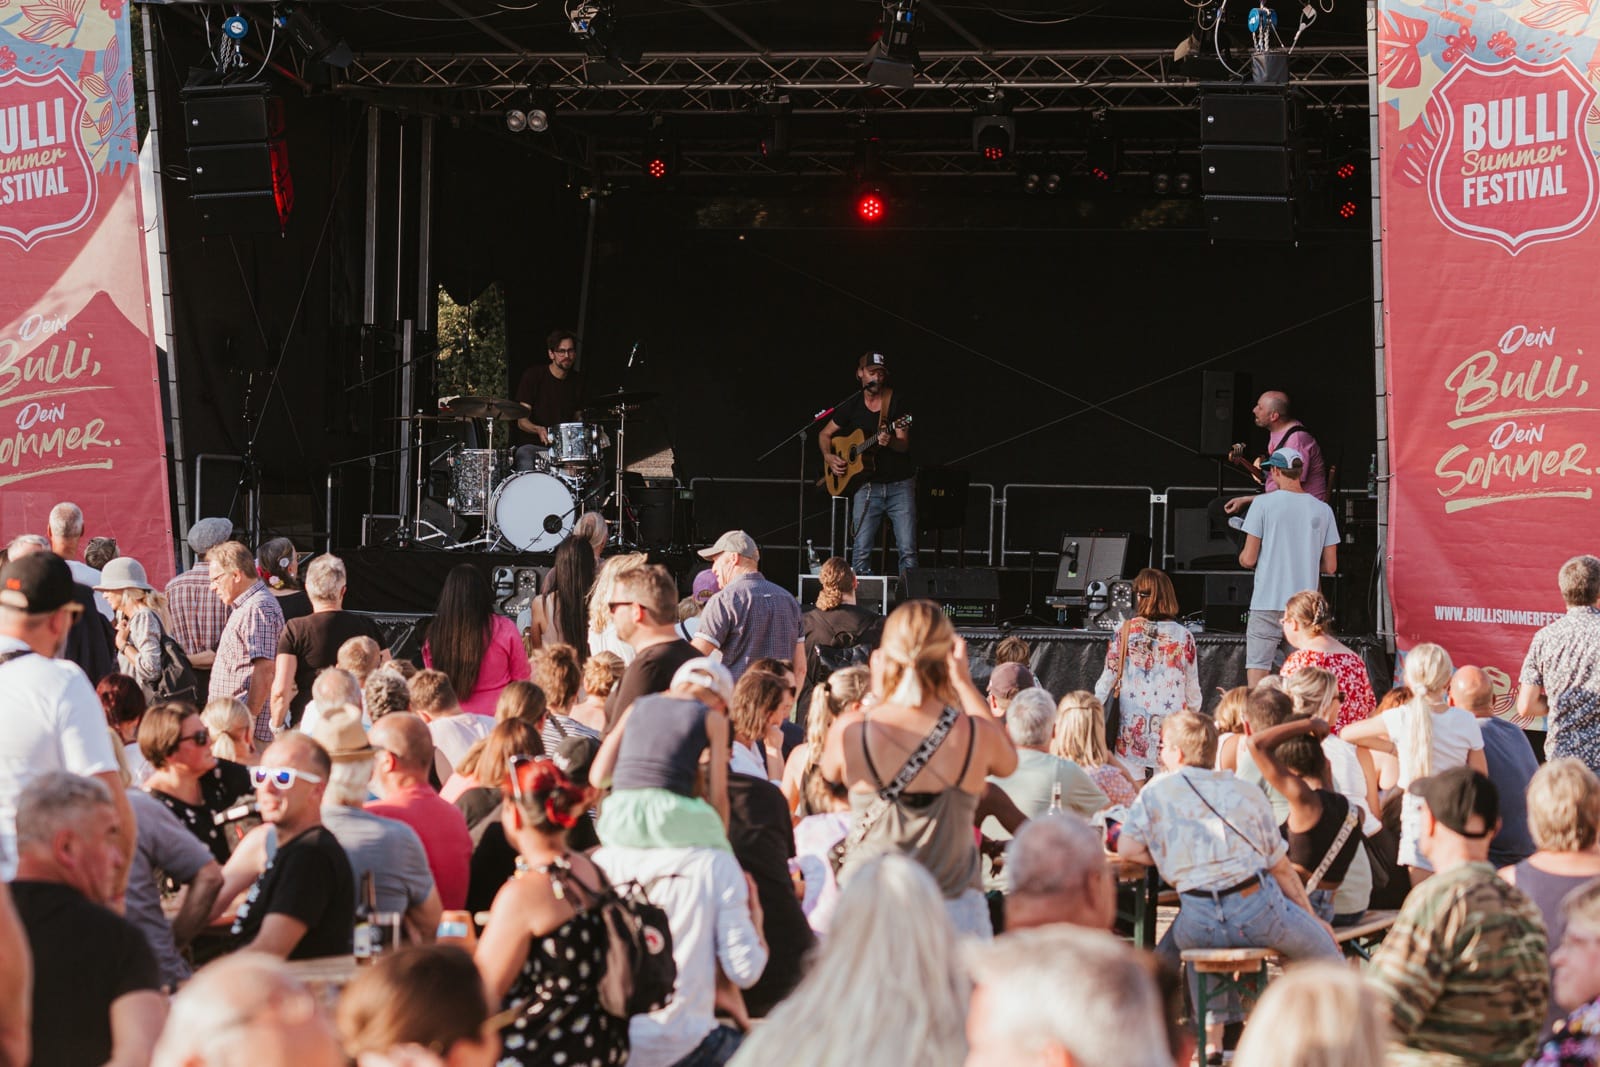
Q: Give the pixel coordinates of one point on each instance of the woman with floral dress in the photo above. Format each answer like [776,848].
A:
[1160,673]
[1305,626]
[543,952]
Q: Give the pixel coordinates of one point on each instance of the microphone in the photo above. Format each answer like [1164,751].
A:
[633,353]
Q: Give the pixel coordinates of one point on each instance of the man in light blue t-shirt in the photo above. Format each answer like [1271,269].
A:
[1290,540]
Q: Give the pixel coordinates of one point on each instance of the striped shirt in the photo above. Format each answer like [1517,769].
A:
[251,634]
[197,613]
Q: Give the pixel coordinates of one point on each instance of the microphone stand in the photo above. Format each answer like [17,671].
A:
[800,489]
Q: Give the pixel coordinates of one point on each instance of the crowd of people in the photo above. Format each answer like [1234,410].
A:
[857,841]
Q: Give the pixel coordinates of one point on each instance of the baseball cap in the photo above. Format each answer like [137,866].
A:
[38,583]
[705,586]
[1009,679]
[340,732]
[574,755]
[1456,795]
[208,534]
[707,673]
[733,541]
[1284,459]
[872,359]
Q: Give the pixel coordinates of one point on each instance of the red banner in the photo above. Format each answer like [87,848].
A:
[1489,184]
[80,412]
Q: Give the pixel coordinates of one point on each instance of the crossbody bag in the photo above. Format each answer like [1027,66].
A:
[889,794]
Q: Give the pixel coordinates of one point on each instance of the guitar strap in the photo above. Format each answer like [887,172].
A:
[883,412]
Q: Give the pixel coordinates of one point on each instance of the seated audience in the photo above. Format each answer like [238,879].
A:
[303,904]
[1214,839]
[96,985]
[1080,736]
[1040,776]
[419,1007]
[1316,1015]
[123,700]
[453,729]
[1306,621]
[602,672]
[360,656]
[558,675]
[247,1010]
[1511,764]
[387,848]
[1057,872]
[545,943]
[1575,985]
[1464,968]
[1012,649]
[405,753]
[333,688]
[1229,717]
[861,1004]
[1005,682]
[1035,990]
[194,785]
[1563,806]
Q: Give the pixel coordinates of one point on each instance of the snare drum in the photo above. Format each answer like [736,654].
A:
[474,472]
[575,446]
[534,511]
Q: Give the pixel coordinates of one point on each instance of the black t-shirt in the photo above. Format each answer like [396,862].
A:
[221,788]
[762,835]
[889,465]
[307,879]
[551,400]
[650,672]
[314,641]
[84,958]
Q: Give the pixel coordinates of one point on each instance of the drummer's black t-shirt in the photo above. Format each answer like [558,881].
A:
[553,400]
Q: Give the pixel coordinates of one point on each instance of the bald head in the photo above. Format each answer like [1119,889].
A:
[1471,688]
[404,736]
[300,751]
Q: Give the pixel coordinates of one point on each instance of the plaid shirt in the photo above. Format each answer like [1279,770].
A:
[197,613]
[251,634]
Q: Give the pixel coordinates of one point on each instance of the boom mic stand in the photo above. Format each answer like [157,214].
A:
[800,488]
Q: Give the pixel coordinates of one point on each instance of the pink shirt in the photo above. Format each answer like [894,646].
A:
[443,830]
[504,660]
[1315,480]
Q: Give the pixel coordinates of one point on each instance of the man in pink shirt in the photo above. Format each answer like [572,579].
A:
[400,774]
[1272,415]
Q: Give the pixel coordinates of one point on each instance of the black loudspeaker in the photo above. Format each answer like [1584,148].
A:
[654,504]
[238,160]
[1224,411]
[1247,169]
[1249,218]
[969,595]
[1245,118]
[942,498]
[1228,601]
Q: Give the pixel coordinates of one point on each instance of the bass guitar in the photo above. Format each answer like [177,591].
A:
[853,448]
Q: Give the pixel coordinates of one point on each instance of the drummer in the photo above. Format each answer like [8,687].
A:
[551,394]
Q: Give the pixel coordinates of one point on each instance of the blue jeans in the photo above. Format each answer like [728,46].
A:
[715,1049]
[1263,919]
[871,502]
[1322,903]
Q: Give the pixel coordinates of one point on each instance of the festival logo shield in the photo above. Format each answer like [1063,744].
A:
[47,180]
[1513,166]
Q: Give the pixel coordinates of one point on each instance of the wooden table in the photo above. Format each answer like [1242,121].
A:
[1145,883]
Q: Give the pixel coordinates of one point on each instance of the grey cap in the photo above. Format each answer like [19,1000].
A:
[208,534]
[733,541]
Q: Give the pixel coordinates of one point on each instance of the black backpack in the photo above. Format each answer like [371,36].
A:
[640,971]
[177,681]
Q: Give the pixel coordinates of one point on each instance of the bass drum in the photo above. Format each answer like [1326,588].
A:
[534,511]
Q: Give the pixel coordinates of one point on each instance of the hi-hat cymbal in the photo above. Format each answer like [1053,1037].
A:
[482,407]
[622,399]
[426,418]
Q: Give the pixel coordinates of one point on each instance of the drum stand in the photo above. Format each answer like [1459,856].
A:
[619,539]
[410,533]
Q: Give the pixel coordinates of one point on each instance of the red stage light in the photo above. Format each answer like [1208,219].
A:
[1346,171]
[655,167]
[870,207]
[1349,209]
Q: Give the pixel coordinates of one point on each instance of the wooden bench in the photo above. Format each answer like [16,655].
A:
[1359,938]
[1220,971]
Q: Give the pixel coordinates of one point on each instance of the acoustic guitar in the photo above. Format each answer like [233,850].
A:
[853,448]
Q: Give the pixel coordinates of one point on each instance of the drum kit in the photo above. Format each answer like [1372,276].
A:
[528,498]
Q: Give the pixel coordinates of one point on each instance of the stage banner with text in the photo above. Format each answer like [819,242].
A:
[80,413]
[1488,135]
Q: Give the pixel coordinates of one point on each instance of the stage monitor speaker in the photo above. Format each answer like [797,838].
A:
[1224,411]
[970,596]
[1227,605]
[942,498]
[1245,118]
[1250,218]
[1246,170]
[1090,557]
[1196,543]
[654,504]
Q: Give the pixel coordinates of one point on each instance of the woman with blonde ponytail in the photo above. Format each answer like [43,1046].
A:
[919,733]
[1428,736]
[1306,621]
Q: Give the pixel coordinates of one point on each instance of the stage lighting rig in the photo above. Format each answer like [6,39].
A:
[893,60]
[994,134]
[871,207]
[593,24]
[534,118]
[660,159]
[774,144]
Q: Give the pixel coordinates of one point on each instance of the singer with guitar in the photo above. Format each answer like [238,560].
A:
[886,483]
[1271,413]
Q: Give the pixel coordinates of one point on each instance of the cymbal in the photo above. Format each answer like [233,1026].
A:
[482,407]
[622,399]
[426,418]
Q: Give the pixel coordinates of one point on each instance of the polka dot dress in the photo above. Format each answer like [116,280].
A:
[564,1026]
[225,785]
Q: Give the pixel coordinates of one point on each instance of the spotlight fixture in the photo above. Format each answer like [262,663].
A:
[309,32]
[1030,183]
[1052,184]
[593,24]
[660,160]
[870,205]
[534,119]
[893,60]
[773,147]
[993,132]
[538,120]
[1101,155]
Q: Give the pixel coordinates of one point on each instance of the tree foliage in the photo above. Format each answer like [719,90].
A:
[472,345]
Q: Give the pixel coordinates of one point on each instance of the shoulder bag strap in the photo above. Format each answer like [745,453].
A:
[1352,817]
[1122,656]
[910,769]
[1225,822]
[16,653]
